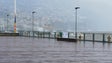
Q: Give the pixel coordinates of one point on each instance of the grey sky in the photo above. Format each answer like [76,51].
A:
[98,13]
[93,15]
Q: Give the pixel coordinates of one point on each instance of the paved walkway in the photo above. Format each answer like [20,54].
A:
[29,50]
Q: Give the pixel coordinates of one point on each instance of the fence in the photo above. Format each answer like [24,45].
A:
[100,37]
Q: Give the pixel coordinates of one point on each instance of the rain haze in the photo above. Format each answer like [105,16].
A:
[93,15]
[55,31]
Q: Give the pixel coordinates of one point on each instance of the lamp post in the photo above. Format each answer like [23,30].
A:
[33,22]
[76,22]
[14,16]
[7,22]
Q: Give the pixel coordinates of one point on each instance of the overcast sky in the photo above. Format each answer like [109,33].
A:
[93,15]
[98,13]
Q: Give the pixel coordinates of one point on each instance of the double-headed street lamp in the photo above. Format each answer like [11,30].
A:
[76,22]
[33,22]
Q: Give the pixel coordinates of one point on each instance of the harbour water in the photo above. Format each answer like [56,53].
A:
[39,50]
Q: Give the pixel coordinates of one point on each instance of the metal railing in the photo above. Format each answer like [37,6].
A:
[99,37]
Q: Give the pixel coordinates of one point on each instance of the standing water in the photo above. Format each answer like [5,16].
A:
[38,50]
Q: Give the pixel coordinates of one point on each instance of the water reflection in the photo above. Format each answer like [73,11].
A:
[93,44]
[109,45]
[52,51]
[103,44]
[84,44]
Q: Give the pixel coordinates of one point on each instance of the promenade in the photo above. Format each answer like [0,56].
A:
[39,50]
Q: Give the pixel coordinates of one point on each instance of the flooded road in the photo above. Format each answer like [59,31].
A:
[36,50]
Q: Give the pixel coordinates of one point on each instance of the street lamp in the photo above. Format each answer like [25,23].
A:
[33,22]
[14,16]
[76,22]
[7,22]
